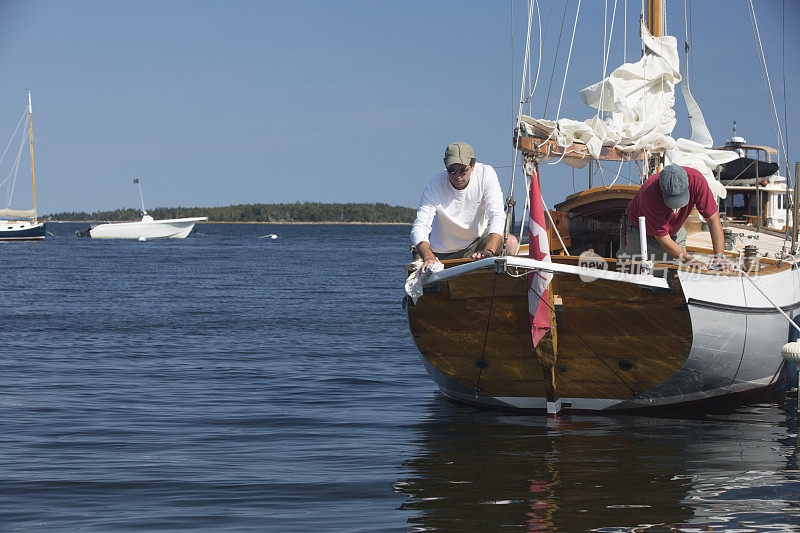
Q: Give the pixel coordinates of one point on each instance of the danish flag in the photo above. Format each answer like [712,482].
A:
[539,249]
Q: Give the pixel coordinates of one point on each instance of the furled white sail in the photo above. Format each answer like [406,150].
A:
[18,213]
[639,98]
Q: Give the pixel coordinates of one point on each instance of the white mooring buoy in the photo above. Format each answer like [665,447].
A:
[142,238]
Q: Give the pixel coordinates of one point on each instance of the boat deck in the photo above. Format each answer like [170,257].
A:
[769,244]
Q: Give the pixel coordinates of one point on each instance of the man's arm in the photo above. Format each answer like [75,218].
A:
[495,208]
[706,205]
[718,243]
[421,229]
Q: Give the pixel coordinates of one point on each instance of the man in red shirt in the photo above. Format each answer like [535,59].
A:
[665,200]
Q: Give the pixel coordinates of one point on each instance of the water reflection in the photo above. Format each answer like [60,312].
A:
[477,470]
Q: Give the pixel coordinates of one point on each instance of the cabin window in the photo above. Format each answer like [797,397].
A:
[738,200]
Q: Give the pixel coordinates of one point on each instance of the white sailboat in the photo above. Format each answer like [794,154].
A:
[147,227]
[16,224]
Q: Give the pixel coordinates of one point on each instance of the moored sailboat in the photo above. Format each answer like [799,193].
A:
[16,224]
[624,333]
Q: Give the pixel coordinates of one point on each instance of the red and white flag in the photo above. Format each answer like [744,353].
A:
[539,249]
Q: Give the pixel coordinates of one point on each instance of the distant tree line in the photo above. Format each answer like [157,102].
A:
[296,212]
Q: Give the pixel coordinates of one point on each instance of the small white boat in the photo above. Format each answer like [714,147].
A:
[174,228]
[147,228]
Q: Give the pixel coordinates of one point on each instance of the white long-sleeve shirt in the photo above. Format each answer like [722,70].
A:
[450,219]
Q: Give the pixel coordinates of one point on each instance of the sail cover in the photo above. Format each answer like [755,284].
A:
[639,99]
[747,168]
[18,213]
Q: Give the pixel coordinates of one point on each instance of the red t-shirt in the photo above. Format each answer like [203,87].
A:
[660,219]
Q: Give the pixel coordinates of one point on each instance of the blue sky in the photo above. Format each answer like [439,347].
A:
[212,103]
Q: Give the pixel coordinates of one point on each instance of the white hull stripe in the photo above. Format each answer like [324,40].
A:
[741,309]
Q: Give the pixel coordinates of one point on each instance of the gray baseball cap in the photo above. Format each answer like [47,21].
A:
[458,153]
[674,184]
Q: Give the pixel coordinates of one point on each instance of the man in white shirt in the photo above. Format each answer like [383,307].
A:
[461,212]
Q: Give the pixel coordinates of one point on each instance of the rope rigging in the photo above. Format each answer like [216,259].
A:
[606,47]
[14,171]
[782,145]
[482,363]
[555,58]
[529,98]
[768,86]
[569,58]
[14,135]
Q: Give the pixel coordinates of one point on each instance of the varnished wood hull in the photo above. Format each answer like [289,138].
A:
[619,345]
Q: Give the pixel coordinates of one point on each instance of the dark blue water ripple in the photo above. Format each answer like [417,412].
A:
[231,382]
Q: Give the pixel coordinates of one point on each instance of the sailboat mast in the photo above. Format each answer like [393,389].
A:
[655,25]
[33,173]
[655,17]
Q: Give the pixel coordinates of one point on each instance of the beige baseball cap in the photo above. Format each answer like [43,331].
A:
[458,153]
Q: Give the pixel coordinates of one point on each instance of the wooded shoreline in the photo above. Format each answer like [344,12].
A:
[296,213]
[323,223]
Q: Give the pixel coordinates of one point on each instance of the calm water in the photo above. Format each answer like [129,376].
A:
[231,382]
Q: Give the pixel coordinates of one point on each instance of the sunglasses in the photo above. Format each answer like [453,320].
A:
[457,171]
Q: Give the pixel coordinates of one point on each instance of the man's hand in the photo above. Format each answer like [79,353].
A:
[690,261]
[481,254]
[493,246]
[720,263]
[428,259]
[427,262]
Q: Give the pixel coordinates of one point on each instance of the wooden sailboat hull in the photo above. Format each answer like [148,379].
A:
[21,231]
[617,345]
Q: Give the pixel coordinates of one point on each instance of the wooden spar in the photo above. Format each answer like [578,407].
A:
[33,174]
[655,24]
[655,18]
[550,148]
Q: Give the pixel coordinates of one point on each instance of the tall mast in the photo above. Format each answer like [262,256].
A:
[33,173]
[655,17]
[655,25]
